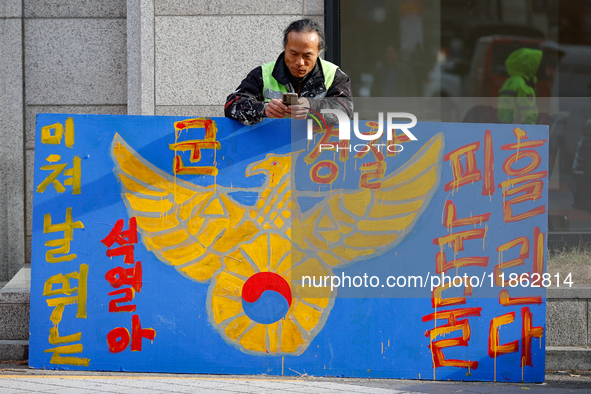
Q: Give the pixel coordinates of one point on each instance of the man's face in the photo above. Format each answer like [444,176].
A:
[301,52]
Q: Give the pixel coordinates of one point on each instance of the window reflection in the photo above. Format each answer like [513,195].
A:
[460,48]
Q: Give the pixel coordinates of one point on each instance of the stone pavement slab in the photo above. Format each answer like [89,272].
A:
[133,384]
[19,379]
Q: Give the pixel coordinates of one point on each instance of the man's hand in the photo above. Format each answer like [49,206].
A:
[299,111]
[275,109]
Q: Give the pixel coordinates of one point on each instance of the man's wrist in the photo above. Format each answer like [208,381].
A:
[263,108]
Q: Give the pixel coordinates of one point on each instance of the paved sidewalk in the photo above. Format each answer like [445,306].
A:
[18,379]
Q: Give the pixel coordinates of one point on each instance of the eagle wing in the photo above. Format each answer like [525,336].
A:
[349,226]
[185,225]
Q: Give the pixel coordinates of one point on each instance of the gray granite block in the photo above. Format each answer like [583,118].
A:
[4,260]
[140,57]
[28,248]
[30,169]
[200,60]
[14,350]
[10,8]
[566,322]
[14,323]
[15,297]
[31,112]
[75,61]
[567,358]
[228,7]
[11,82]
[74,8]
[314,7]
[12,248]
[577,291]
[208,111]
[16,219]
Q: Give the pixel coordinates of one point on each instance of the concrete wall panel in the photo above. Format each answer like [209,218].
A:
[12,238]
[314,7]
[74,8]
[566,322]
[190,111]
[30,169]
[75,61]
[28,246]
[10,8]
[140,57]
[228,7]
[200,60]
[15,321]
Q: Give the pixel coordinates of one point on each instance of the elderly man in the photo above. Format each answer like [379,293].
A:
[298,70]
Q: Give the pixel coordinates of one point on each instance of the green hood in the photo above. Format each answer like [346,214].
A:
[524,62]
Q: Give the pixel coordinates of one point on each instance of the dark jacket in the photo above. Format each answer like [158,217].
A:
[246,104]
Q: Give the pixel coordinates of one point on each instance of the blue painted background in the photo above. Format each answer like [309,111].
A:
[354,340]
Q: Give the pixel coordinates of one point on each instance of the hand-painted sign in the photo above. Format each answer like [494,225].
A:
[201,245]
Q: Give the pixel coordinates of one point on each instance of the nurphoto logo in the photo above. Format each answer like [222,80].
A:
[345,130]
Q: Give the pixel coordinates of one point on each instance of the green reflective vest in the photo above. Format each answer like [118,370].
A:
[272,89]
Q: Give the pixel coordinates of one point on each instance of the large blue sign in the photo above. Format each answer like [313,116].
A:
[200,245]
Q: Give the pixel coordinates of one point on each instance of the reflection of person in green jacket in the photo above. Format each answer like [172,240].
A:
[517,97]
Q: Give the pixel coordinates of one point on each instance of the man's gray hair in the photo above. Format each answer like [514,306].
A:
[306,26]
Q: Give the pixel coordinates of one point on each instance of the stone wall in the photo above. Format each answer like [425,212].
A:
[12,194]
[190,54]
[148,57]
[568,328]
[568,316]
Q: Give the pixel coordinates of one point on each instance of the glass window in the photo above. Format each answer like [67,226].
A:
[462,49]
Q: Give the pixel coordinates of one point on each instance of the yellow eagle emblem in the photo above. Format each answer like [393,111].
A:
[244,250]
